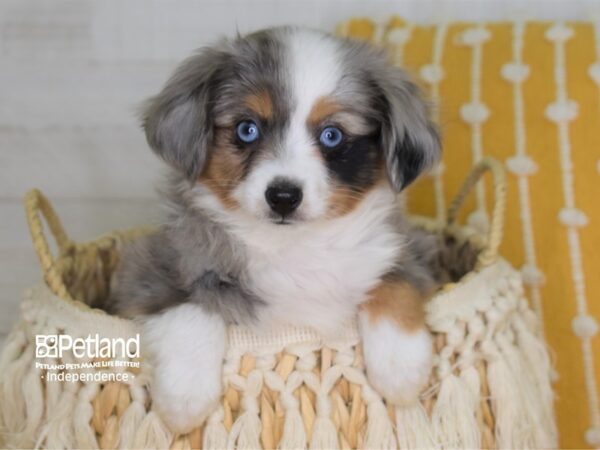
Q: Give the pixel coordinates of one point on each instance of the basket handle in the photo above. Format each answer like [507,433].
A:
[36,207]
[494,238]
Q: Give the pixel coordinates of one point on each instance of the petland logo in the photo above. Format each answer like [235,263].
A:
[92,347]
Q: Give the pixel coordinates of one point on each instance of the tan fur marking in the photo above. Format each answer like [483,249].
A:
[223,170]
[322,109]
[344,200]
[261,104]
[399,301]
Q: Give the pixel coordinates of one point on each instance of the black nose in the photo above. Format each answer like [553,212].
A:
[283,197]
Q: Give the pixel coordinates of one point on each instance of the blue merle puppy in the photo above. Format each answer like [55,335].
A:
[287,149]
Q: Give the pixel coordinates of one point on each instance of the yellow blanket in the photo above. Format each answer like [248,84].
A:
[529,95]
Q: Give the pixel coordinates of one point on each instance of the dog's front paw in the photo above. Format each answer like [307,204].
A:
[187,346]
[398,361]
[185,403]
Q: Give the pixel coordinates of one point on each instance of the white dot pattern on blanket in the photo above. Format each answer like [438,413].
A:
[562,111]
[585,326]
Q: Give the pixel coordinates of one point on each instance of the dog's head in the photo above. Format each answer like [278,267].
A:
[291,125]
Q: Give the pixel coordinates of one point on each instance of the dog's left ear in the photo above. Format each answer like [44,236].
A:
[178,121]
[411,142]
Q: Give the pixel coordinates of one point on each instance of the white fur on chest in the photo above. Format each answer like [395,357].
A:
[317,275]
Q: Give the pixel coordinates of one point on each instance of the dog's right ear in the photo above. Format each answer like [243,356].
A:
[178,121]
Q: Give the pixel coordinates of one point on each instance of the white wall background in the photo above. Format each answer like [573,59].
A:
[73,71]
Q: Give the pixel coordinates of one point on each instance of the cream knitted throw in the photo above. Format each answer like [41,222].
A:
[286,388]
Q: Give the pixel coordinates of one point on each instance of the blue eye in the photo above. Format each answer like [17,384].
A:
[247,131]
[331,137]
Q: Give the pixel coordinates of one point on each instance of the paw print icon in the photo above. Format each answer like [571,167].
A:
[46,346]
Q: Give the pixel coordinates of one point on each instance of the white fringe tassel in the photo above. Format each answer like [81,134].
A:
[380,432]
[130,422]
[454,415]
[245,433]
[324,434]
[294,434]
[152,433]
[414,429]
[215,434]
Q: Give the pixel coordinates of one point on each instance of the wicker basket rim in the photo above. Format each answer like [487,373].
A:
[441,308]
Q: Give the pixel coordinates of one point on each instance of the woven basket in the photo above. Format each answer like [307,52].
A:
[490,387]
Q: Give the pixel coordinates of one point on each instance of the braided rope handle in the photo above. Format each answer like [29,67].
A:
[494,236]
[37,207]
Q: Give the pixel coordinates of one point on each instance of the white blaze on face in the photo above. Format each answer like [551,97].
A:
[314,71]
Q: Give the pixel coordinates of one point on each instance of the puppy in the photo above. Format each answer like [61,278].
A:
[287,149]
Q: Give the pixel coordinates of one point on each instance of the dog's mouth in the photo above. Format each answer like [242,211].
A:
[278,219]
[282,221]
